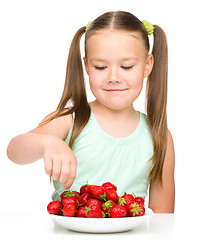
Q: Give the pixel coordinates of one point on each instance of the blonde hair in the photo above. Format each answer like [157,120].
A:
[156,90]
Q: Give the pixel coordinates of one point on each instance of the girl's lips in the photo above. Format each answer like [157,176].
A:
[115,90]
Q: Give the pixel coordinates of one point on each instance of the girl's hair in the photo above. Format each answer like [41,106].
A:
[156,89]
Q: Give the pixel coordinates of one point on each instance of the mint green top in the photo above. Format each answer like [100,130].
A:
[104,158]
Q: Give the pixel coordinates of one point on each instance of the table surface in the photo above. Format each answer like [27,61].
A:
[32,226]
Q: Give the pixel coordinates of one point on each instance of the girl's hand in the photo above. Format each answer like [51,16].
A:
[60,162]
[47,142]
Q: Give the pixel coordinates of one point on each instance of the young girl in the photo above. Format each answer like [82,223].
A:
[107,139]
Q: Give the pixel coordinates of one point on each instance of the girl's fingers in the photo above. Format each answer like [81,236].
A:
[48,165]
[65,172]
[61,169]
[72,175]
[56,169]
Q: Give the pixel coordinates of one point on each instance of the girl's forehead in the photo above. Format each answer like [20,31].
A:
[111,40]
[102,35]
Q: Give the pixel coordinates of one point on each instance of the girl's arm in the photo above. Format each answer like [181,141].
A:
[47,142]
[162,197]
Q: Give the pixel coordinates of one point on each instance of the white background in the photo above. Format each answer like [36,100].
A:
[34,41]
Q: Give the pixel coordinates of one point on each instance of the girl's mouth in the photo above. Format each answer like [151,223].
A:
[116,90]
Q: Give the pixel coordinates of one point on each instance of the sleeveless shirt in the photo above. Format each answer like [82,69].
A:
[103,158]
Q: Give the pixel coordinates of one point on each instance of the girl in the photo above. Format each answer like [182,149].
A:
[107,139]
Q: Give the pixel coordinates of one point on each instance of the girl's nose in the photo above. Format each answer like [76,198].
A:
[113,76]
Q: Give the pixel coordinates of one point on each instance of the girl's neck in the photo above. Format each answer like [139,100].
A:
[121,114]
[116,123]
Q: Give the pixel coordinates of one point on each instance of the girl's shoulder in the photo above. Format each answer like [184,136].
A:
[59,126]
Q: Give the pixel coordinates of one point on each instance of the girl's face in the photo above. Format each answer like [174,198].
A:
[116,63]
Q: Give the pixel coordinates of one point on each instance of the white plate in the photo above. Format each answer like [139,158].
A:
[101,225]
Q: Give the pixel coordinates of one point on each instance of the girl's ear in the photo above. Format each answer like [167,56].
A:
[149,65]
[86,67]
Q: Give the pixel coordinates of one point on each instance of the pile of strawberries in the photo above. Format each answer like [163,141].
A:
[95,201]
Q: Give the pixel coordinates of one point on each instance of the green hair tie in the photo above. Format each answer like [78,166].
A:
[87,26]
[148,26]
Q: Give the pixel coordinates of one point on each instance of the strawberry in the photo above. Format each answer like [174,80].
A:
[81,212]
[66,194]
[70,200]
[77,194]
[83,199]
[54,207]
[117,211]
[93,211]
[69,210]
[138,199]
[84,188]
[111,195]
[135,209]
[126,199]
[109,185]
[106,206]
[93,201]
[98,192]
[89,188]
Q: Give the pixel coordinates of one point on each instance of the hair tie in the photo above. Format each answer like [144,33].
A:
[148,26]
[87,26]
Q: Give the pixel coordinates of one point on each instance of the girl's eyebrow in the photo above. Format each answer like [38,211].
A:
[129,58]
[121,59]
[97,60]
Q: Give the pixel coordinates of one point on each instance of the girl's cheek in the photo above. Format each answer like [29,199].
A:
[136,82]
[96,78]
[136,79]
[94,82]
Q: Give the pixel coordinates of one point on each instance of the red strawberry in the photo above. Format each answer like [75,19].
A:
[84,188]
[139,200]
[70,200]
[77,194]
[135,209]
[54,207]
[126,199]
[109,185]
[69,210]
[89,188]
[117,211]
[81,212]
[106,206]
[112,195]
[66,194]
[83,198]
[93,201]
[93,211]
[98,192]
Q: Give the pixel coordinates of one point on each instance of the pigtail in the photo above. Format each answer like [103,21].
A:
[74,86]
[156,91]
[74,90]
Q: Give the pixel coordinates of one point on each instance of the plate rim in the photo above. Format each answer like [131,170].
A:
[100,225]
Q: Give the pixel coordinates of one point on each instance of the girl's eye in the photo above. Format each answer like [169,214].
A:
[127,68]
[100,68]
